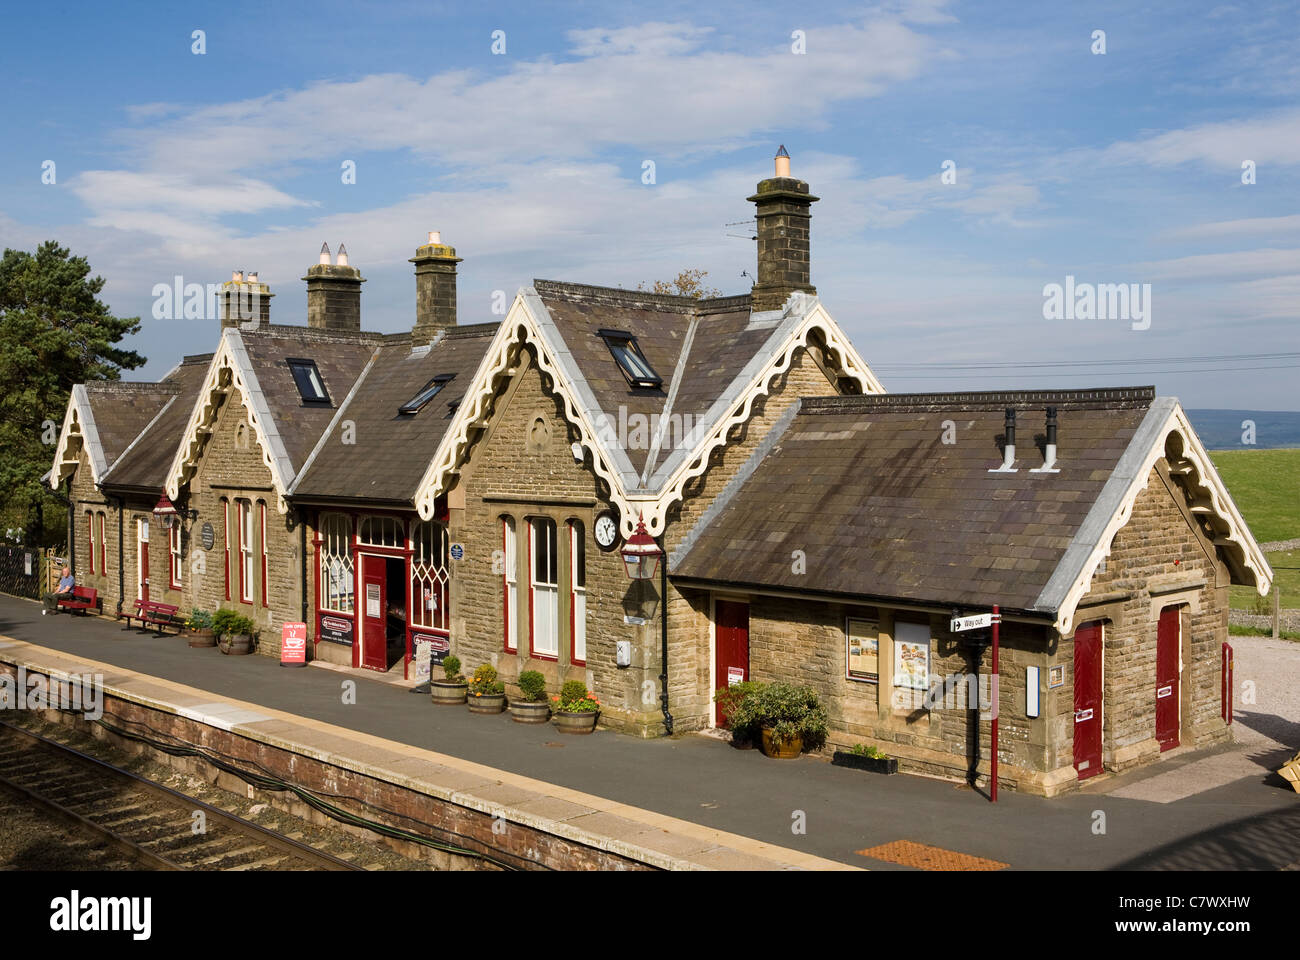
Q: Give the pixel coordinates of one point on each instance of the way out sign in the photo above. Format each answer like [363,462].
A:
[293,645]
[976,622]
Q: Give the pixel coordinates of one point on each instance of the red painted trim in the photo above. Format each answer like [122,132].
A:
[531,651]
[90,537]
[406,666]
[225,537]
[261,522]
[173,555]
[507,626]
[573,597]
[244,596]
[103,554]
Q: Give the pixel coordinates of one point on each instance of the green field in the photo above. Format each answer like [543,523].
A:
[1265,485]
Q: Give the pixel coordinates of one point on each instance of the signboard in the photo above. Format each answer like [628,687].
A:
[336,629]
[27,564]
[735,675]
[974,622]
[293,645]
[439,647]
[372,600]
[423,660]
[1056,676]
[207,536]
[863,645]
[457,551]
[912,655]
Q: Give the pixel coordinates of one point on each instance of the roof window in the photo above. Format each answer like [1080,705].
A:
[431,390]
[630,359]
[310,385]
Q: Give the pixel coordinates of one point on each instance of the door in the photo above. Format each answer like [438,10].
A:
[142,559]
[1168,637]
[374,613]
[1087,700]
[731,648]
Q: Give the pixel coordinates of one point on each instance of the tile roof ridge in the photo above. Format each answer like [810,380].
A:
[642,299]
[986,399]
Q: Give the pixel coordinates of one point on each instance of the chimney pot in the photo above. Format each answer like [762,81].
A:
[342,260]
[435,236]
[237,276]
[252,277]
[782,162]
[324,253]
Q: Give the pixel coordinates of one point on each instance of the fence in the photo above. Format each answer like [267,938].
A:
[23,571]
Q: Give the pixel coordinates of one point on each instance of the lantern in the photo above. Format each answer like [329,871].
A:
[641,554]
[166,512]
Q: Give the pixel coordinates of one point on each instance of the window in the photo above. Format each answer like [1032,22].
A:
[338,584]
[578,591]
[429,576]
[225,537]
[510,581]
[261,523]
[174,550]
[90,539]
[310,385]
[383,532]
[630,359]
[431,389]
[245,509]
[544,586]
[103,549]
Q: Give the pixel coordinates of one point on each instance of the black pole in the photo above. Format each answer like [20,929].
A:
[121,568]
[663,621]
[72,532]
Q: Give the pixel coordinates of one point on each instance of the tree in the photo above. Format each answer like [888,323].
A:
[688,283]
[54,333]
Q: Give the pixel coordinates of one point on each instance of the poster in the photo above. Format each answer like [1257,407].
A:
[373,606]
[336,629]
[438,646]
[863,641]
[423,660]
[912,656]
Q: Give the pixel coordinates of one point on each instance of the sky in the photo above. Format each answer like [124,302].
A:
[968,157]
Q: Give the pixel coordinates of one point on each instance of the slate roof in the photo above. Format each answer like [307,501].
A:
[883,508]
[121,409]
[392,450]
[144,462]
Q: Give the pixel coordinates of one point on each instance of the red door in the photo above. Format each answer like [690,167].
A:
[731,645]
[1167,643]
[142,570]
[374,618]
[1087,700]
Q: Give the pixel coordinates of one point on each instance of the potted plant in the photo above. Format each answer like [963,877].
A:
[453,688]
[728,698]
[487,694]
[785,719]
[531,705]
[863,757]
[234,631]
[575,709]
[199,625]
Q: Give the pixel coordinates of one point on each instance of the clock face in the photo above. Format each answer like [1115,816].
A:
[606,530]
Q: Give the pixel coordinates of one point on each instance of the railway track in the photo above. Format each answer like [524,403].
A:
[146,823]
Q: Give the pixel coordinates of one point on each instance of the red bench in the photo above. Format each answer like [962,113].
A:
[161,615]
[82,598]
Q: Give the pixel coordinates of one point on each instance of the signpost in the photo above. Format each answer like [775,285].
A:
[978,622]
[293,645]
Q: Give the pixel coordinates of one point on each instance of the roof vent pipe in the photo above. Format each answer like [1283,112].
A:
[1009,450]
[1049,451]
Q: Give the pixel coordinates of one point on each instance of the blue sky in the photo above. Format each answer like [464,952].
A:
[1117,168]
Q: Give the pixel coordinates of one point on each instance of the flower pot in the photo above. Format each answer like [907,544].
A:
[202,638]
[236,644]
[785,751]
[447,694]
[529,711]
[567,722]
[843,758]
[487,703]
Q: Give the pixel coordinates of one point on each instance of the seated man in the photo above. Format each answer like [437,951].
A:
[51,600]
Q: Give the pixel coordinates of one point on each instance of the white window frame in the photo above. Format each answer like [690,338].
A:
[578,591]
[510,582]
[244,514]
[544,595]
[174,554]
[429,572]
[336,545]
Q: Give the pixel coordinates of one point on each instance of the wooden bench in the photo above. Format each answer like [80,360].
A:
[161,615]
[82,598]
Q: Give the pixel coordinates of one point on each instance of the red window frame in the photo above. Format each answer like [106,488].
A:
[511,642]
[103,552]
[174,555]
[261,522]
[532,650]
[225,536]
[577,533]
[90,538]
[243,509]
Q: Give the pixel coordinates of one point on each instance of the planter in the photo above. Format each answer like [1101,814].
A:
[529,711]
[567,722]
[446,694]
[785,751]
[236,644]
[842,758]
[488,703]
[202,638]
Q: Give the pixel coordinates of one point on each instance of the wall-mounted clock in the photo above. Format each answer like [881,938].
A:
[606,530]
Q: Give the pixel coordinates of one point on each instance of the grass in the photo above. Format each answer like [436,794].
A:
[1286,574]
[1263,484]
[1237,630]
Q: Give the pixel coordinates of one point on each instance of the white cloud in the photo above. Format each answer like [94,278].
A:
[1267,140]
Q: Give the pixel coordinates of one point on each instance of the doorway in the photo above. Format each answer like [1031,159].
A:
[1168,644]
[731,648]
[142,559]
[1087,699]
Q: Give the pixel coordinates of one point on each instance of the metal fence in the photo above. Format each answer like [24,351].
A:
[22,571]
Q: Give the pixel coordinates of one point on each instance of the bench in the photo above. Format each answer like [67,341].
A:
[161,615]
[82,598]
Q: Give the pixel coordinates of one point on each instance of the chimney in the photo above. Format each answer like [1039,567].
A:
[334,292]
[784,210]
[1049,448]
[1009,445]
[435,288]
[245,300]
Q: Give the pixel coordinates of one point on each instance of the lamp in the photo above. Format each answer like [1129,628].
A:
[166,512]
[641,554]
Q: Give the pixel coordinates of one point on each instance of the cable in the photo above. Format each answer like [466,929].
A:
[1124,361]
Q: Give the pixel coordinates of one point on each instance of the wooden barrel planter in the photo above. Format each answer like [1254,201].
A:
[236,644]
[446,694]
[784,751]
[487,704]
[530,711]
[567,722]
[202,638]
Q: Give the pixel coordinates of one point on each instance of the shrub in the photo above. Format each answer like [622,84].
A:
[792,713]
[533,685]
[485,683]
[199,619]
[227,623]
[575,698]
[451,669]
[729,696]
[875,753]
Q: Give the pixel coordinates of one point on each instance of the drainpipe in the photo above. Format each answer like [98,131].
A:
[121,570]
[663,634]
[72,532]
[302,550]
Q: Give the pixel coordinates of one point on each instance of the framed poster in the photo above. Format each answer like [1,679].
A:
[1056,676]
[912,655]
[862,644]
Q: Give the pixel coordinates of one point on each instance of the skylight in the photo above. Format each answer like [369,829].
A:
[431,389]
[310,385]
[630,359]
